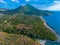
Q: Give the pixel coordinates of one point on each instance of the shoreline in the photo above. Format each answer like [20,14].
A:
[42,42]
[58,37]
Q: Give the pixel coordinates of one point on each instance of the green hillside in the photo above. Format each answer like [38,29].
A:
[29,25]
[26,21]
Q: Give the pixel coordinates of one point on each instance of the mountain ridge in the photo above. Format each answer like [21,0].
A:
[27,9]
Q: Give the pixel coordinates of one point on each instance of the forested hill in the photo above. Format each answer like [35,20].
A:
[25,21]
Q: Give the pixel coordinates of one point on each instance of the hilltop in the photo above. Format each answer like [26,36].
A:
[27,9]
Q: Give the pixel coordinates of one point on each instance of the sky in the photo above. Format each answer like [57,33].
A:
[40,4]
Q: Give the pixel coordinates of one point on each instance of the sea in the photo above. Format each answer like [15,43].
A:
[53,20]
[52,43]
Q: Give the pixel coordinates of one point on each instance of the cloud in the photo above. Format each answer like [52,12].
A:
[27,0]
[1,1]
[31,0]
[15,1]
[54,7]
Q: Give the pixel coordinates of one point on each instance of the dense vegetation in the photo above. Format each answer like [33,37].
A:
[29,25]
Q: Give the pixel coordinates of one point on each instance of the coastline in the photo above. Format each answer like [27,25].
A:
[42,42]
[58,37]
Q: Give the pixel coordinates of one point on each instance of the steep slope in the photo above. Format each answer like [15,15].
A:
[28,25]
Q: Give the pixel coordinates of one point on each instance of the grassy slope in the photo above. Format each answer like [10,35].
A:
[31,26]
[13,39]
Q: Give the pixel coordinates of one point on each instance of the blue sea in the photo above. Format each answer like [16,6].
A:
[53,20]
[52,43]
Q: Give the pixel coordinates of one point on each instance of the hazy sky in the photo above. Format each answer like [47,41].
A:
[40,4]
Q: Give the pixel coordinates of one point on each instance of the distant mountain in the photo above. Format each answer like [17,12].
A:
[3,9]
[27,9]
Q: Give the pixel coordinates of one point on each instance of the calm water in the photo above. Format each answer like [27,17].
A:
[54,22]
[52,43]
